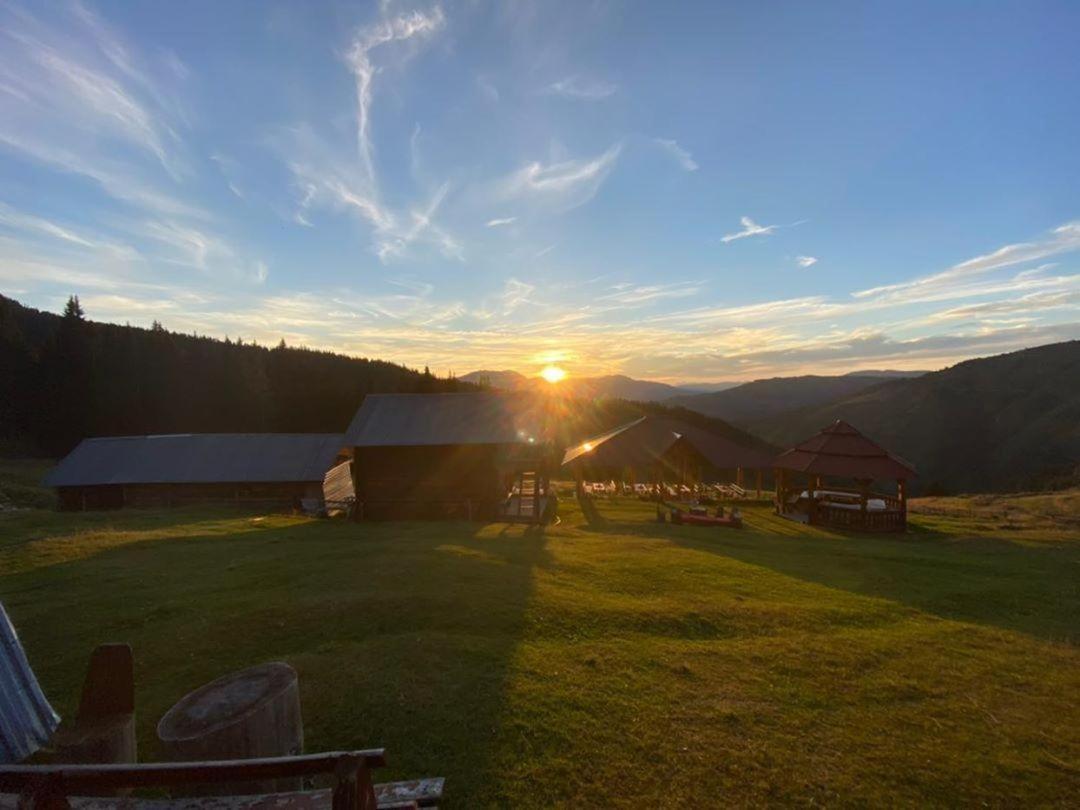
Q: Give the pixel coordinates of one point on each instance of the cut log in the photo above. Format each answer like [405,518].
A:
[248,714]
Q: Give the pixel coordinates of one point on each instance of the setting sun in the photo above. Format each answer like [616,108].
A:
[553,374]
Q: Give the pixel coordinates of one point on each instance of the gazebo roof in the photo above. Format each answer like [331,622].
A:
[643,443]
[840,450]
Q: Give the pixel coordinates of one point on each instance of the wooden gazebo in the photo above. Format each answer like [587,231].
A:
[854,463]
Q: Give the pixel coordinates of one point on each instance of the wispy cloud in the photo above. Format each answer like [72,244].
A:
[1063,239]
[681,155]
[585,89]
[500,221]
[394,29]
[750,228]
[806,261]
[488,88]
[564,185]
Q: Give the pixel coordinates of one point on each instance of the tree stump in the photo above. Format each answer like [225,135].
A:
[244,715]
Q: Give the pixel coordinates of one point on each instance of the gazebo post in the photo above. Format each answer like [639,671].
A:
[759,483]
[739,476]
[811,494]
[778,481]
[864,496]
[902,497]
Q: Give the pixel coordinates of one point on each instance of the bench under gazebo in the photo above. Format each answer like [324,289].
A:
[805,493]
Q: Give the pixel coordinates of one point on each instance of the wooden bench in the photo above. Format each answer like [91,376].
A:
[103,787]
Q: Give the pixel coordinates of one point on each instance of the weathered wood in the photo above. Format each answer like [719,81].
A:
[39,787]
[248,714]
[79,778]
[109,738]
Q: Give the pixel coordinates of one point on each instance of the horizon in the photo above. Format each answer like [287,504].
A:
[744,195]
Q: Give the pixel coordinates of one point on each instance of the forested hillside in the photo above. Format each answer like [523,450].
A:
[1000,423]
[65,377]
[751,402]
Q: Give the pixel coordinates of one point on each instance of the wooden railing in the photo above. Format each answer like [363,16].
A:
[48,786]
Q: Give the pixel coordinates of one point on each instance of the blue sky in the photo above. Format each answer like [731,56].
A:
[683,192]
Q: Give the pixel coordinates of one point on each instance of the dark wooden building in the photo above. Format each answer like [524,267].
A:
[826,480]
[265,469]
[461,455]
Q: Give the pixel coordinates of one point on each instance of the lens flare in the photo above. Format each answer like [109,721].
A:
[553,374]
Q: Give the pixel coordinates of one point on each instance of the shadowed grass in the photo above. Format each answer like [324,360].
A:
[608,660]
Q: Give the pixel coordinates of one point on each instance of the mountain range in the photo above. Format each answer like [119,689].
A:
[1008,422]
[613,385]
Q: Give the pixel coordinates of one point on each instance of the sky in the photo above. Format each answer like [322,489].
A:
[681,192]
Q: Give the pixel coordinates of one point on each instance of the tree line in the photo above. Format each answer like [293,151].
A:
[64,378]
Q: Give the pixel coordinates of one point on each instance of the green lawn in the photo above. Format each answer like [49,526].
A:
[605,660]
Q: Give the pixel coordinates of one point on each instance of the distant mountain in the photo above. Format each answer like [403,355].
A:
[708,388]
[993,424]
[612,385]
[747,404]
[890,373]
[503,380]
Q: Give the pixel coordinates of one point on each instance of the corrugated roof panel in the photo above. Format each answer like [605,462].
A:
[27,721]
[199,458]
[399,420]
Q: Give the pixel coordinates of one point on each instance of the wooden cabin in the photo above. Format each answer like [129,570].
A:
[455,455]
[826,481]
[661,450]
[277,470]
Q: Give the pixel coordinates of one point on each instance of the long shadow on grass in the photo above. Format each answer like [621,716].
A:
[987,581]
[404,634]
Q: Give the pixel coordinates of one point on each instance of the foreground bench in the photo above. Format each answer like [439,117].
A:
[102,787]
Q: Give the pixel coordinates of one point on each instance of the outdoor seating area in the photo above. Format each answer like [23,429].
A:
[840,452]
[238,739]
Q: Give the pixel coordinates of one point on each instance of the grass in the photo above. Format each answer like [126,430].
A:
[20,484]
[608,660]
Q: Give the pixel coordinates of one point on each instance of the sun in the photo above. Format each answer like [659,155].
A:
[553,374]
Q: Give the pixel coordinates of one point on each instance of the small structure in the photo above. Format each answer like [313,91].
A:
[268,469]
[841,453]
[655,449]
[456,455]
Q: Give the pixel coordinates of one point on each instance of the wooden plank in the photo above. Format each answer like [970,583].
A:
[415,793]
[92,778]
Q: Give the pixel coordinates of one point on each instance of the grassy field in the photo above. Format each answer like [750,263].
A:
[606,660]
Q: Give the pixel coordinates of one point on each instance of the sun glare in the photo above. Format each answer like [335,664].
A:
[553,374]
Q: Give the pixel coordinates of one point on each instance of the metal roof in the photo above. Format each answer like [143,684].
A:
[399,420]
[198,458]
[643,442]
[840,450]
[27,721]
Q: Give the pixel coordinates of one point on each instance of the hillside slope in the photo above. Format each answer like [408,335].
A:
[616,386]
[994,424]
[65,378]
[751,402]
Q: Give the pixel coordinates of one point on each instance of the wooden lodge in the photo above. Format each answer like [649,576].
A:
[459,455]
[282,470]
[654,450]
[826,480]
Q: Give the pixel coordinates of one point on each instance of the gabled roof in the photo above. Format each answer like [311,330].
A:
[840,450]
[400,420]
[643,442]
[198,458]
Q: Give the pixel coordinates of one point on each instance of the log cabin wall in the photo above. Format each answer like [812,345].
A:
[115,496]
[428,482]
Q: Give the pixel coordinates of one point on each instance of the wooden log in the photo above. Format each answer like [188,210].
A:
[250,714]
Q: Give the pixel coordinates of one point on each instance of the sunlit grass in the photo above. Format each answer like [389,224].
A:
[608,660]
